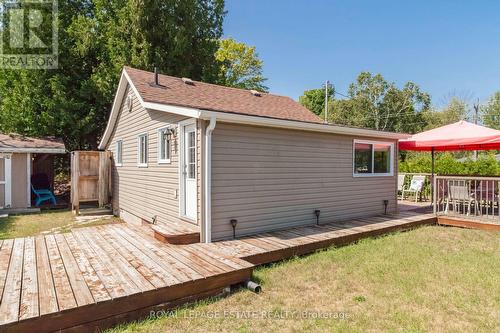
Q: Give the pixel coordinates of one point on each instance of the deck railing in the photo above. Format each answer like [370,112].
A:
[467,196]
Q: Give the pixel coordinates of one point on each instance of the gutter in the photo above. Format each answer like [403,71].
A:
[208,181]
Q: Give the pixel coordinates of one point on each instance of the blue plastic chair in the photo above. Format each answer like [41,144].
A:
[43,195]
[41,188]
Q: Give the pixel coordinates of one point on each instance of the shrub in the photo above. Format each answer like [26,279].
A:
[448,164]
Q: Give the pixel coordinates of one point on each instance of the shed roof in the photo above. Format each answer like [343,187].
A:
[16,143]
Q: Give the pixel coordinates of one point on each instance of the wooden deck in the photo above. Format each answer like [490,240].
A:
[98,276]
[278,245]
[471,222]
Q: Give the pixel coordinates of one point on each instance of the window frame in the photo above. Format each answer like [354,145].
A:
[119,152]
[169,142]
[373,143]
[145,163]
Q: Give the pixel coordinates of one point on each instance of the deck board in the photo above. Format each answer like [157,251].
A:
[9,307]
[47,298]
[29,294]
[5,254]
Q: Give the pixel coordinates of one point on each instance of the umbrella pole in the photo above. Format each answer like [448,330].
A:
[432,175]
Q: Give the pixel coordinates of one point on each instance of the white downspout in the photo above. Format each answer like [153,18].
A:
[208,180]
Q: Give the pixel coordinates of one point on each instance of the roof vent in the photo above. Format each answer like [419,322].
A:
[256,93]
[187,80]
[157,77]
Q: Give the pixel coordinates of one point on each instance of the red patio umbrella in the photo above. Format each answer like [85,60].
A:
[461,135]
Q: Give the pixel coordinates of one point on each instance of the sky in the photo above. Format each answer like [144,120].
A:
[446,47]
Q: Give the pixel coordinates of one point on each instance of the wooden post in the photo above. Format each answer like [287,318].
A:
[75,175]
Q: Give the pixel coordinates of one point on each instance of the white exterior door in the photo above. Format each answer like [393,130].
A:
[189,172]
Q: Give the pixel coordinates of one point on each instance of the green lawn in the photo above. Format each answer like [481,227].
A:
[45,222]
[429,279]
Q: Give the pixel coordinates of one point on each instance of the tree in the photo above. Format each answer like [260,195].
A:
[96,39]
[456,110]
[490,113]
[314,99]
[378,104]
[240,66]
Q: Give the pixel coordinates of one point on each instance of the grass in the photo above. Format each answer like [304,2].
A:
[429,279]
[45,222]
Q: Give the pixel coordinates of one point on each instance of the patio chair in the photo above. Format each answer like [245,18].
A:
[40,186]
[401,184]
[485,194]
[460,194]
[416,186]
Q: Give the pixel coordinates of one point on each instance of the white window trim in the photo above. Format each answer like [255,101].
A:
[373,174]
[139,164]
[165,160]
[121,153]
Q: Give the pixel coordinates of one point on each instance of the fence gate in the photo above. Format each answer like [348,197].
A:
[90,178]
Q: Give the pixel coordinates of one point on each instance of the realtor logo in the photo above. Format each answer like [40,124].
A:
[29,37]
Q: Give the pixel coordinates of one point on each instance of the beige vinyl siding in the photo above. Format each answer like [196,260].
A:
[19,181]
[2,178]
[269,178]
[145,192]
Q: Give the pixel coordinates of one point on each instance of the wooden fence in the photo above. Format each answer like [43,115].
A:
[90,178]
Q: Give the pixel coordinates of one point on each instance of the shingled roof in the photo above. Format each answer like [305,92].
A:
[19,143]
[207,101]
[199,95]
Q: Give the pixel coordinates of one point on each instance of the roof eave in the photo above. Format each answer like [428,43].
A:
[300,125]
[272,122]
[33,150]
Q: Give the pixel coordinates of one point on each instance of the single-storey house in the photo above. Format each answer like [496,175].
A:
[20,158]
[218,158]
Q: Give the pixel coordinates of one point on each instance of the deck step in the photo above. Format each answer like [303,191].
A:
[95,211]
[176,234]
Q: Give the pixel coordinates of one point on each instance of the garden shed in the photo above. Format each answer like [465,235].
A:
[21,159]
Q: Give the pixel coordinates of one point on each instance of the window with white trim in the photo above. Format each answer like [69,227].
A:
[371,158]
[142,150]
[164,143]
[119,153]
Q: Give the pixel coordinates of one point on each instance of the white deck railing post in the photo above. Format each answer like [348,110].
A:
[434,194]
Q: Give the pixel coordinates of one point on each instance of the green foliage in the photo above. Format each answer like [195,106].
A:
[314,99]
[490,113]
[455,110]
[96,39]
[374,103]
[448,164]
[240,66]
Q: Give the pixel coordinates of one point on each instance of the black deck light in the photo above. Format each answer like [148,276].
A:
[234,222]
[317,212]
[386,203]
